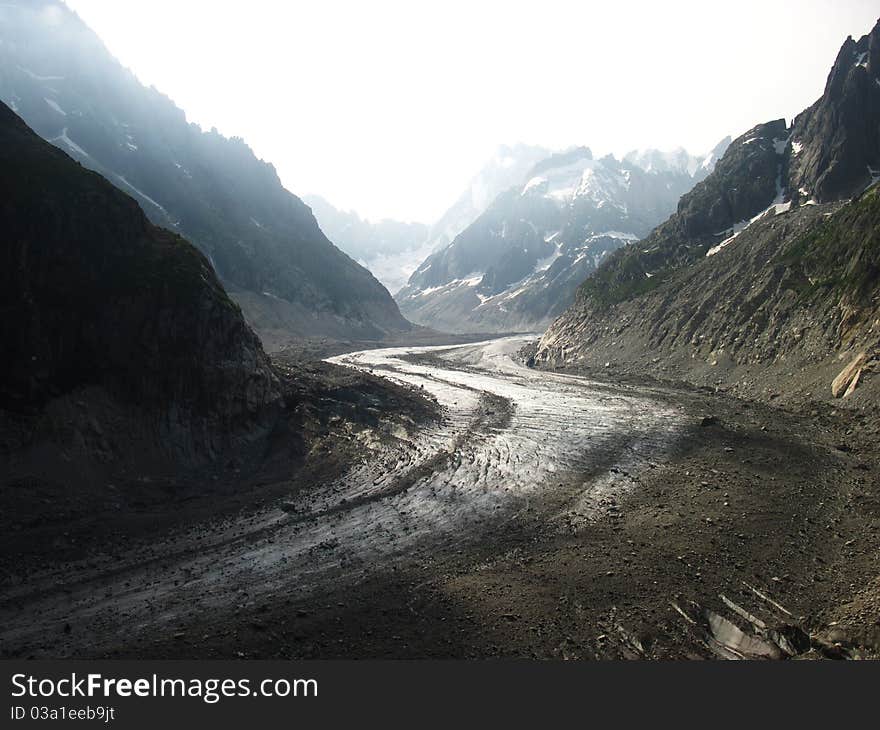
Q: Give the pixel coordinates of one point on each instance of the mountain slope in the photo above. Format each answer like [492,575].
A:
[390,249]
[93,295]
[767,273]
[263,241]
[518,265]
[744,182]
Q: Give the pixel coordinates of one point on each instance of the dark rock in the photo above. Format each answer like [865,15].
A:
[839,134]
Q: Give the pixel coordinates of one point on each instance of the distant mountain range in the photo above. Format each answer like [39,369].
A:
[766,279]
[262,241]
[519,263]
[392,250]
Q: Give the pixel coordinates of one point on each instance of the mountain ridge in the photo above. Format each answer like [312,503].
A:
[263,241]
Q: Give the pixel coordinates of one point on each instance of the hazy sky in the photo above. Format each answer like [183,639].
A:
[388,108]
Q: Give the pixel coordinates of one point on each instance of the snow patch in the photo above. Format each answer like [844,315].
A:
[71,145]
[37,77]
[547,262]
[782,207]
[142,194]
[472,280]
[533,183]
[709,161]
[55,107]
[777,206]
[620,235]
[583,178]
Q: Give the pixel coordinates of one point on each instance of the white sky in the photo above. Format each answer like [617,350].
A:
[388,108]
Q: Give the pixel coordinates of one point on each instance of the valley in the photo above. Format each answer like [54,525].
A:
[550,405]
[544,514]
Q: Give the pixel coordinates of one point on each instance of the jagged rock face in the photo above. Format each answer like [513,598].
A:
[94,295]
[518,265]
[836,142]
[263,241]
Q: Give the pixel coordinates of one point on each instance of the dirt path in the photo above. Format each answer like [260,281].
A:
[547,515]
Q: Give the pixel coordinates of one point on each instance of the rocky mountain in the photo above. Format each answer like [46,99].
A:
[263,242]
[766,280]
[100,305]
[390,249]
[518,265]
[501,172]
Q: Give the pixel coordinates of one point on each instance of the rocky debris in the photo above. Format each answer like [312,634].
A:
[766,631]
